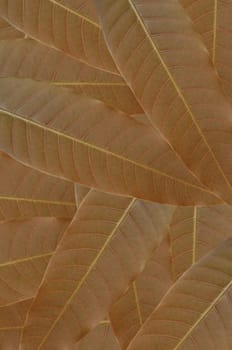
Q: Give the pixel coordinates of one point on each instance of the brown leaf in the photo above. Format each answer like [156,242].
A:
[30,59]
[130,312]
[212,20]
[194,231]
[170,72]
[25,192]
[84,141]
[12,318]
[100,338]
[180,321]
[105,247]
[8,32]
[61,27]
[26,247]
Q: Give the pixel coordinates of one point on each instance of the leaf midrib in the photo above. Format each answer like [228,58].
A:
[105,151]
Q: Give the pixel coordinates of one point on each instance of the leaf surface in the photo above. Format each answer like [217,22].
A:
[8,32]
[105,247]
[194,231]
[80,193]
[61,27]
[25,249]
[25,192]
[30,59]
[100,338]
[170,72]
[130,312]
[212,20]
[12,318]
[181,318]
[84,141]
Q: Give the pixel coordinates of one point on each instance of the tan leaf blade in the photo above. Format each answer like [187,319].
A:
[30,59]
[26,247]
[12,318]
[8,32]
[212,19]
[25,192]
[80,193]
[100,338]
[61,27]
[105,247]
[130,312]
[169,70]
[85,8]
[194,231]
[180,321]
[84,141]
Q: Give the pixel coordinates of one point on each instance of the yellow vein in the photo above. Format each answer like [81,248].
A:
[29,258]
[214,30]
[107,152]
[75,13]
[42,201]
[203,315]
[104,322]
[87,83]
[194,234]
[178,90]
[92,265]
[137,303]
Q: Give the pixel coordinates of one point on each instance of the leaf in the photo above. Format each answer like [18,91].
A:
[212,19]
[83,7]
[130,312]
[84,141]
[58,26]
[8,32]
[105,247]
[100,338]
[191,303]
[194,231]
[25,192]
[168,68]
[25,249]
[29,59]
[80,193]
[12,318]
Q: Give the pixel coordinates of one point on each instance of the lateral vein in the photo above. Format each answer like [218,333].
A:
[84,18]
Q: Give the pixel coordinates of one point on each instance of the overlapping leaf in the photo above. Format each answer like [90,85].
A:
[8,32]
[105,247]
[26,247]
[170,72]
[130,312]
[109,263]
[85,141]
[12,319]
[61,27]
[194,231]
[194,302]
[25,192]
[212,20]
[30,59]
[100,338]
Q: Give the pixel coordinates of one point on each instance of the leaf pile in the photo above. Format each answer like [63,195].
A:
[115,175]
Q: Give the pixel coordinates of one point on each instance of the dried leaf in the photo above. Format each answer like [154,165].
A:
[105,247]
[84,141]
